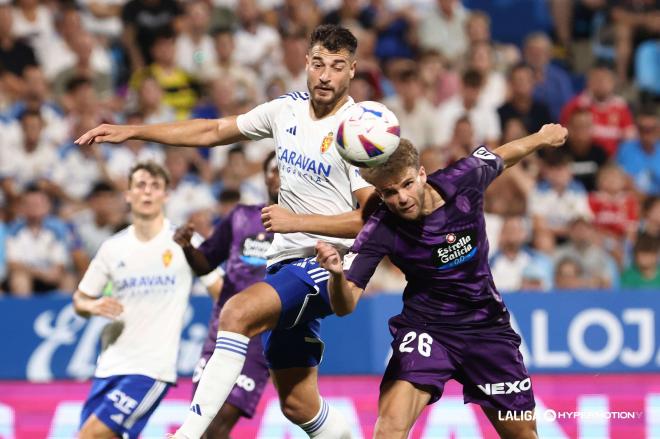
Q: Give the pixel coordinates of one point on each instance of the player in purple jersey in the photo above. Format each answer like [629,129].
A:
[453,323]
[240,242]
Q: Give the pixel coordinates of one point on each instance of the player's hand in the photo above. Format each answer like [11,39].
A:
[328,257]
[106,133]
[183,235]
[554,135]
[277,219]
[106,307]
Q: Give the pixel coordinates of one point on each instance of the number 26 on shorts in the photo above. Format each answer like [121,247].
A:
[424,342]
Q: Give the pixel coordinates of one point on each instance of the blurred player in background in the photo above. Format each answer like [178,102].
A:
[240,242]
[318,197]
[454,323]
[151,283]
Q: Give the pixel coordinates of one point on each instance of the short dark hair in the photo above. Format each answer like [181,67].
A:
[519,66]
[556,157]
[27,113]
[153,168]
[646,244]
[100,187]
[472,78]
[229,196]
[405,156]
[334,38]
[76,82]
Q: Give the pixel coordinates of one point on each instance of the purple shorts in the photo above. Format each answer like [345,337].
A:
[487,362]
[251,383]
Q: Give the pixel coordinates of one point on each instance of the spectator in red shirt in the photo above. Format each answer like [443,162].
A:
[615,209]
[612,119]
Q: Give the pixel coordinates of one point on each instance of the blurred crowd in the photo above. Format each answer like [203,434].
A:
[583,217]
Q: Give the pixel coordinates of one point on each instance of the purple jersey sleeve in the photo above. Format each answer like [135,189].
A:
[374,241]
[476,171]
[216,247]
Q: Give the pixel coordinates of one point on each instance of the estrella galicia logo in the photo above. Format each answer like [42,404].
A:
[457,249]
[254,248]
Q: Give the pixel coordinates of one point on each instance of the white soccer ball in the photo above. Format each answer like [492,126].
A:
[367,134]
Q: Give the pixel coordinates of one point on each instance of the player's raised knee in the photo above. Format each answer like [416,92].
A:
[235,316]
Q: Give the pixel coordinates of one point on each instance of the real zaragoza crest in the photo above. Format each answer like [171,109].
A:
[327,141]
[167,258]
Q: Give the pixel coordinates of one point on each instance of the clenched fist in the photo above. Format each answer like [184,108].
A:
[553,134]
[277,219]
[328,257]
[183,235]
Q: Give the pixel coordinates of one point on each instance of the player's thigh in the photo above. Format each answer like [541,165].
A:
[399,406]
[298,390]
[223,423]
[510,429]
[252,311]
[94,428]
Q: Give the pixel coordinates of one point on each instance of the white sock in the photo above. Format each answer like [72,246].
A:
[218,378]
[327,424]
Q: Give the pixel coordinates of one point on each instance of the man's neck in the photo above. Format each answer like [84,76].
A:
[146,228]
[321,111]
[432,199]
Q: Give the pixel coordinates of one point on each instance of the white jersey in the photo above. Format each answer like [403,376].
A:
[314,179]
[152,280]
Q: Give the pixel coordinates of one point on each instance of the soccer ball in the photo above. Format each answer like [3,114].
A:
[367,134]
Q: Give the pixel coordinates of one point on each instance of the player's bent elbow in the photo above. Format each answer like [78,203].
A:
[78,304]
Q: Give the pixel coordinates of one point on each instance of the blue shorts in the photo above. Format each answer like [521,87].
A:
[303,290]
[124,402]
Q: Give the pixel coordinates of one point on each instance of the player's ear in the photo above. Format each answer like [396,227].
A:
[421,176]
[307,61]
[353,67]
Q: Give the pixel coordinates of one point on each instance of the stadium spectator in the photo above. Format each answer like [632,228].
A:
[443,28]
[485,121]
[650,221]
[558,199]
[477,28]
[645,269]
[180,90]
[79,167]
[15,54]
[393,24]
[513,257]
[31,160]
[634,22]
[150,102]
[481,58]
[640,157]
[462,141]
[569,275]
[35,23]
[439,81]
[102,17]
[599,267]
[188,193]
[142,20]
[615,208]
[104,215]
[553,85]
[227,201]
[37,251]
[124,157]
[195,51]
[612,119]
[294,16]
[416,115]
[82,47]
[352,12]
[258,45]
[587,156]
[521,103]
[292,70]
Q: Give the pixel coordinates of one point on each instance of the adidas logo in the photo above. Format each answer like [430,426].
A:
[195,408]
[291,130]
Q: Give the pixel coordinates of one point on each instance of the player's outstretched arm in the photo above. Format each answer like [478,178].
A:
[87,306]
[195,133]
[344,295]
[278,219]
[550,135]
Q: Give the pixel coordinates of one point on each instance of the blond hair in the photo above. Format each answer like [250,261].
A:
[405,156]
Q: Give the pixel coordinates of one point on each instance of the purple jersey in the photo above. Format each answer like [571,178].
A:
[444,255]
[240,242]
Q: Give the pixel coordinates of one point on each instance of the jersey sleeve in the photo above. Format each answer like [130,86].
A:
[478,170]
[258,123]
[354,176]
[216,248]
[97,275]
[371,245]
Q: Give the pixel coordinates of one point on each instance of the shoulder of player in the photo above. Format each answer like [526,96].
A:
[118,238]
[293,96]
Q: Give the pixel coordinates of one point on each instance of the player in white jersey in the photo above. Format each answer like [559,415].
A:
[151,283]
[318,196]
